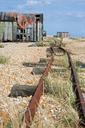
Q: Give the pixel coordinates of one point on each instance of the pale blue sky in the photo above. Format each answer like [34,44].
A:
[59,15]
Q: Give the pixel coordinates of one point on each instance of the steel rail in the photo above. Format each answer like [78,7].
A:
[80,101]
[32,106]
[77,89]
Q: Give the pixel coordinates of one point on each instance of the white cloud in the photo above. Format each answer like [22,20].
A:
[38,2]
[32,3]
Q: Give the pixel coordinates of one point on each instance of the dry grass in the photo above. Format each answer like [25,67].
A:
[62,90]
[49,41]
[61,61]
[12,113]
[80,68]
[1,46]
[12,117]
[59,85]
[3,59]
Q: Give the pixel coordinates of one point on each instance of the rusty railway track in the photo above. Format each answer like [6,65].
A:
[80,100]
[32,107]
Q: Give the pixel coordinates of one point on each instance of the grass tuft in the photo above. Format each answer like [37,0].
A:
[59,87]
[39,44]
[1,46]
[3,60]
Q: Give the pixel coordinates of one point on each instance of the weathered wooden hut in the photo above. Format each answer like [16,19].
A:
[63,34]
[11,31]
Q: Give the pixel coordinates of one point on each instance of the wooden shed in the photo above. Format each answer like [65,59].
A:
[63,34]
[10,31]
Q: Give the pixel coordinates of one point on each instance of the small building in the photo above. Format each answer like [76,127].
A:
[11,31]
[63,34]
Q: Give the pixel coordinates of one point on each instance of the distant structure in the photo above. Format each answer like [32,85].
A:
[21,27]
[63,34]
